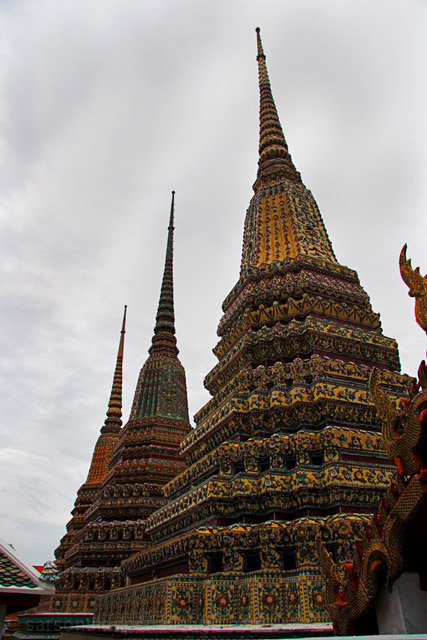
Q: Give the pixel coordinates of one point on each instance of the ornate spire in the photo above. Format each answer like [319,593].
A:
[113,420]
[161,391]
[283,220]
[275,162]
[164,341]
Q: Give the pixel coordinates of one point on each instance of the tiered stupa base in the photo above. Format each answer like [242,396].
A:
[268,597]
[273,593]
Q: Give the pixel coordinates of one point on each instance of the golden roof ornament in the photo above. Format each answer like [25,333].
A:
[417,287]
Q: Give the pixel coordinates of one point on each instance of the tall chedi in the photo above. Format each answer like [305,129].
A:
[101,458]
[129,467]
[289,444]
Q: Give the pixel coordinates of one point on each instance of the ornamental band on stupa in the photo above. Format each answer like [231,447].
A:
[289,445]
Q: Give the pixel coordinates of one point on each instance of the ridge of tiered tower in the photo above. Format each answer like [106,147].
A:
[130,465]
[289,444]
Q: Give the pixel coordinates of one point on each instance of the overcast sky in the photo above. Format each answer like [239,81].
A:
[105,106]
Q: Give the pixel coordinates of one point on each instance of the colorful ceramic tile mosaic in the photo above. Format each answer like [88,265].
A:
[287,449]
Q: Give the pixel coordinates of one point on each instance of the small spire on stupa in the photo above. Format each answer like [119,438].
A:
[275,162]
[164,340]
[113,421]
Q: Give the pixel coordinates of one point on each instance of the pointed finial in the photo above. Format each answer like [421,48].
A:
[172,214]
[122,332]
[259,43]
[164,341]
[113,421]
[275,162]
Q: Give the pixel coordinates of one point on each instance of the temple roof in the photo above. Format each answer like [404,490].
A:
[17,576]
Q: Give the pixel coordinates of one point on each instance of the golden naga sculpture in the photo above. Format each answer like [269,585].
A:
[400,446]
[417,287]
[394,539]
